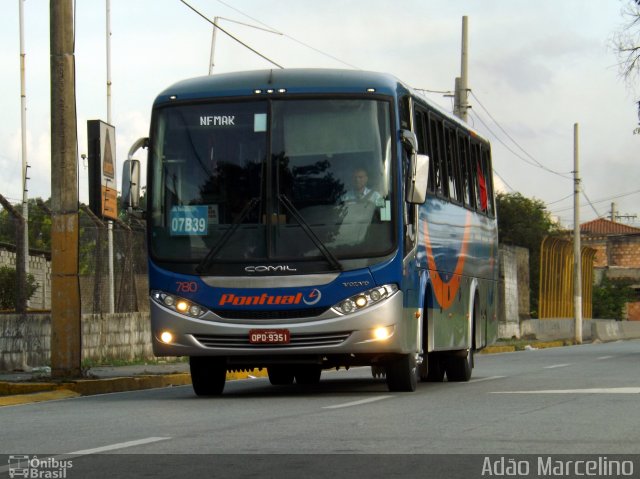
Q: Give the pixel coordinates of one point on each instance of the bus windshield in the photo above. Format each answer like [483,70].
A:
[272,180]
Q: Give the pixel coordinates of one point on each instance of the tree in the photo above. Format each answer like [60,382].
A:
[8,287]
[39,225]
[626,44]
[525,222]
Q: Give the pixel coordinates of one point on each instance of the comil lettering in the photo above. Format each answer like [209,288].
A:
[224,120]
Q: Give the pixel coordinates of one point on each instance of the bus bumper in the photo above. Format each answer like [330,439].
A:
[383,329]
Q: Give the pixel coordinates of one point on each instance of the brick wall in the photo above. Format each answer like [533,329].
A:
[624,251]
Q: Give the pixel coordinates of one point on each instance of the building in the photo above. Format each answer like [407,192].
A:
[617,255]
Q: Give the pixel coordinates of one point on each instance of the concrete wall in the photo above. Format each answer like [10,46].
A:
[124,336]
[513,291]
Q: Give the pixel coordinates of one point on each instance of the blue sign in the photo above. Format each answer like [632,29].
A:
[189,221]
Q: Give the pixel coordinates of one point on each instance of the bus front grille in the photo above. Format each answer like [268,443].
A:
[296,340]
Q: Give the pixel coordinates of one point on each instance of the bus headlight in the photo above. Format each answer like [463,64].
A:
[178,304]
[365,299]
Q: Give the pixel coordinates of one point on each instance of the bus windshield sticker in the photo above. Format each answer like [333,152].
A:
[385,211]
[189,220]
[259,122]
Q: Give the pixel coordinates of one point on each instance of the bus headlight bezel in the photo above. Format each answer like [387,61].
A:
[365,299]
[180,305]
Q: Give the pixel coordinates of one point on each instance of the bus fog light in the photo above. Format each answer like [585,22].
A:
[166,337]
[383,333]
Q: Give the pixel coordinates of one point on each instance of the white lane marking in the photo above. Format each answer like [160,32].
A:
[479,380]
[557,366]
[120,445]
[110,447]
[357,403]
[601,358]
[628,390]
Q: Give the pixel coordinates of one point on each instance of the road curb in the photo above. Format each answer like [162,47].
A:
[14,393]
[529,346]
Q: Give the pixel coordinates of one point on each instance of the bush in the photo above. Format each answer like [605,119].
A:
[609,298]
[8,287]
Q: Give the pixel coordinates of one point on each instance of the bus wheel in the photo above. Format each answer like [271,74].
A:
[308,374]
[432,369]
[208,375]
[280,375]
[459,366]
[402,374]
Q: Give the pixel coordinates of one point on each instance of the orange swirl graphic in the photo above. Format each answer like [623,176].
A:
[445,291]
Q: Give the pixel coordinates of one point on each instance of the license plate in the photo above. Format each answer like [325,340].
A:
[269,336]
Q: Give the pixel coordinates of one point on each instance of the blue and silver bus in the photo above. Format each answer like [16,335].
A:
[303,220]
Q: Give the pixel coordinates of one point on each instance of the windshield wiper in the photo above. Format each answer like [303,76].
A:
[205,264]
[329,256]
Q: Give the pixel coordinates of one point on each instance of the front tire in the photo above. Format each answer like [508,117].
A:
[280,375]
[208,375]
[402,375]
[459,367]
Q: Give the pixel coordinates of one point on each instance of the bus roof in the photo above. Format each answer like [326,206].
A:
[295,81]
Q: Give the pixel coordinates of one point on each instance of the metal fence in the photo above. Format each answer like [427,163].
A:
[556,279]
[130,285]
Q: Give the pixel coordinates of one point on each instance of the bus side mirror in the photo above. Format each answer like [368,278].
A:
[417,186]
[418,172]
[131,177]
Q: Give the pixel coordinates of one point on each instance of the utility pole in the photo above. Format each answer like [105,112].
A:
[213,44]
[577,257]
[461,95]
[614,213]
[65,287]
[112,289]
[25,165]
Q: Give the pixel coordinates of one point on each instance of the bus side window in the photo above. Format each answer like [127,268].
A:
[466,178]
[486,167]
[436,184]
[451,159]
[473,170]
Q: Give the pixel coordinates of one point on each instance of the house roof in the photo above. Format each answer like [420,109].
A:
[603,226]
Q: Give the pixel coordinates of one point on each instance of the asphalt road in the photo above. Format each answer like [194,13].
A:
[572,400]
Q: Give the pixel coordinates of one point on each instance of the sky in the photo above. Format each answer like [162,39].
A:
[535,70]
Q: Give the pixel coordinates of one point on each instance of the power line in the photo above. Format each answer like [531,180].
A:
[230,35]
[602,200]
[590,203]
[503,180]
[536,162]
[328,55]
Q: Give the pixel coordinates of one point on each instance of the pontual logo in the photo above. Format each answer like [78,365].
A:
[270,269]
[230,299]
[313,297]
